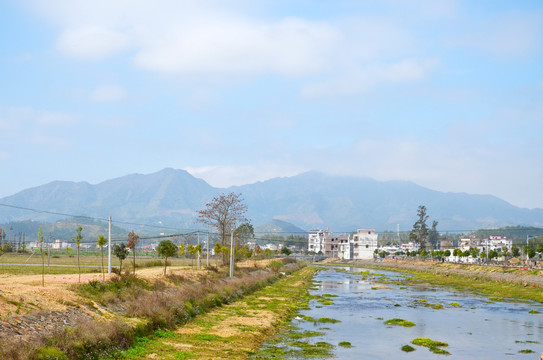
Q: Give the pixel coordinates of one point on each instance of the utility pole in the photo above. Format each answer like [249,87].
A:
[109,248]
[49,251]
[207,250]
[232,254]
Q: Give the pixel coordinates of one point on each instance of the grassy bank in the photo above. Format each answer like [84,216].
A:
[488,280]
[233,331]
[129,309]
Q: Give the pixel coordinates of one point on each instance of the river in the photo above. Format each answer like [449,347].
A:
[475,327]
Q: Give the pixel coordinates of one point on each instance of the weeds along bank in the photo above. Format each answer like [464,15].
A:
[129,307]
[517,283]
[233,331]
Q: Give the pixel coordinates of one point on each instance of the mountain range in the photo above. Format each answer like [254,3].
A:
[310,200]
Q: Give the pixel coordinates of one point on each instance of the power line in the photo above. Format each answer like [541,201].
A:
[87,217]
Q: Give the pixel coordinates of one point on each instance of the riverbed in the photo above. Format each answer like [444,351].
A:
[473,326]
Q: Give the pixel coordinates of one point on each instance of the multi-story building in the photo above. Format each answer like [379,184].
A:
[497,242]
[332,244]
[364,244]
[315,241]
[360,245]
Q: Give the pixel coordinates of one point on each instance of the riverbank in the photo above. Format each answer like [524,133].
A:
[233,331]
[490,280]
[124,309]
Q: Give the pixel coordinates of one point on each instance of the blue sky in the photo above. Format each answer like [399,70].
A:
[447,94]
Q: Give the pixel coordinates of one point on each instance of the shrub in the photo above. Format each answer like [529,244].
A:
[49,353]
[275,265]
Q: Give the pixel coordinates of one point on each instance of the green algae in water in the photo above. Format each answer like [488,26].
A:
[455,304]
[408,348]
[526,351]
[428,342]
[345,344]
[400,322]
[533,311]
[432,345]
[305,334]
[328,320]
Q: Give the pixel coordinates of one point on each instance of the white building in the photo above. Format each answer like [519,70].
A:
[410,246]
[345,249]
[364,244]
[315,241]
[495,242]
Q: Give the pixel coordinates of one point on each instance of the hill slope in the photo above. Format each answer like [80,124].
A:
[310,200]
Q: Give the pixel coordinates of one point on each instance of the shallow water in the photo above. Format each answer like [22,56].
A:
[478,329]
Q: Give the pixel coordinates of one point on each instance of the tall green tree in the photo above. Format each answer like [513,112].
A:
[132,242]
[433,235]
[121,252]
[244,233]
[166,249]
[419,233]
[101,242]
[77,240]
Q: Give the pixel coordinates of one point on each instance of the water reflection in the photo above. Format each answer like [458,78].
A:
[477,328]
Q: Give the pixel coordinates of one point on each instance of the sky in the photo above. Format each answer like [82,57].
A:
[444,93]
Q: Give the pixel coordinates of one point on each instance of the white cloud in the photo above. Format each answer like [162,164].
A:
[93,43]
[218,37]
[507,36]
[365,78]
[230,175]
[108,93]
[26,118]
[52,118]
[290,46]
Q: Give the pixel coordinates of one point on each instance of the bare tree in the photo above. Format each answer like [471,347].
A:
[223,214]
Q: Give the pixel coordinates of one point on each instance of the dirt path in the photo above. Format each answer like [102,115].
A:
[236,330]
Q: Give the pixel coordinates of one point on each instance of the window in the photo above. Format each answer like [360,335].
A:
[367,246]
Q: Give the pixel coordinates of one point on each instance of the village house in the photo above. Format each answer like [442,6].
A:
[360,245]
[332,244]
[316,241]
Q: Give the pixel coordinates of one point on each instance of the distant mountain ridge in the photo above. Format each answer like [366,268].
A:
[308,201]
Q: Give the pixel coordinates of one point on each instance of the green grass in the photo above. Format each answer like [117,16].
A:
[91,262]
